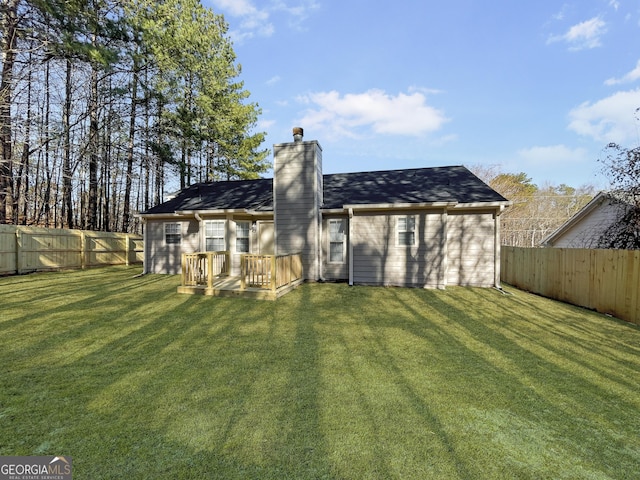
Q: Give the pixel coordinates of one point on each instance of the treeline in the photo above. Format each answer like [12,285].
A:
[536,211]
[104,103]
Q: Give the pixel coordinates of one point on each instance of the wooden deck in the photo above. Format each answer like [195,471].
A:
[263,277]
[231,287]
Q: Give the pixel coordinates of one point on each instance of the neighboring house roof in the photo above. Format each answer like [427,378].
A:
[583,228]
[421,185]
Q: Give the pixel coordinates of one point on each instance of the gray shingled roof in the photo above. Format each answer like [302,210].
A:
[420,185]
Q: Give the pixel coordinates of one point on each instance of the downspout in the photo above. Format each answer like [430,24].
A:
[350,247]
[145,245]
[444,243]
[200,240]
[497,247]
[321,259]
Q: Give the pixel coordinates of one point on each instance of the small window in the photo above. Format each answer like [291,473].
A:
[242,237]
[172,234]
[406,230]
[214,235]
[336,241]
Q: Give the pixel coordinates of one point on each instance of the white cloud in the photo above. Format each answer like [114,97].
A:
[298,13]
[612,119]
[583,35]
[256,22]
[346,115]
[561,14]
[273,80]
[237,8]
[552,155]
[253,21]
[263,124]
[630,77]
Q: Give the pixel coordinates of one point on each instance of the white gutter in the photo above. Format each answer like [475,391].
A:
[159,216]
[211,212]
[399,206]
[500,205]
[259,214]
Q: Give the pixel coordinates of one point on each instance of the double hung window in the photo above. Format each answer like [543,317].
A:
[242,237]
[172,233]
[214,235]
[336,240]
[406,230]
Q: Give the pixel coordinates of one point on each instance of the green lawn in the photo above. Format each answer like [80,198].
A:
[136,381]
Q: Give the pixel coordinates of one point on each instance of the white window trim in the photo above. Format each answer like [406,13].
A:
[399,231]
[178,233]
[224,231]
[248,237]
[344,236]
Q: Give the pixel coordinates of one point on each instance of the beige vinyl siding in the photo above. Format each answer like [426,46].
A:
[297,194]
[230,238]
[379,260]
[471,249]
[331,270]
[163,258]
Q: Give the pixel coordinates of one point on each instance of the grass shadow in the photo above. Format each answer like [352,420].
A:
[133,380]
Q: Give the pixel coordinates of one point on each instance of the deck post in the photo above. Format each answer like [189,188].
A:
[184,269]
[289,266]
[274,280]
[243,272]
[209,270]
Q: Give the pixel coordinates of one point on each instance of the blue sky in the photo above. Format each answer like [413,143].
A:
[536,87]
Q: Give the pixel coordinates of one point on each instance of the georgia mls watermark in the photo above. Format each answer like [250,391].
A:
[35,468]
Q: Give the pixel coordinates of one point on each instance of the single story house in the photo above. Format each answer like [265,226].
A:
[587,226]
[423,227]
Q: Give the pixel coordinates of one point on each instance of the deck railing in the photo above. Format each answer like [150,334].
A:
[269,272]
[201,268]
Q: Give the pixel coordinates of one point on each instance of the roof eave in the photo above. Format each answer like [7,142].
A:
[398,206]
[168,215]
[475,205]
[213,211]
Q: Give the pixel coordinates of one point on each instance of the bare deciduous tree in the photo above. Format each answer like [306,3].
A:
[536,211]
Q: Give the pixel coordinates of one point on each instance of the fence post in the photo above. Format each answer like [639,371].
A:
[18,250]
[83,249]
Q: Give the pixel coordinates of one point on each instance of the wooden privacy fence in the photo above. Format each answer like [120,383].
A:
[607,281]
[32,249]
